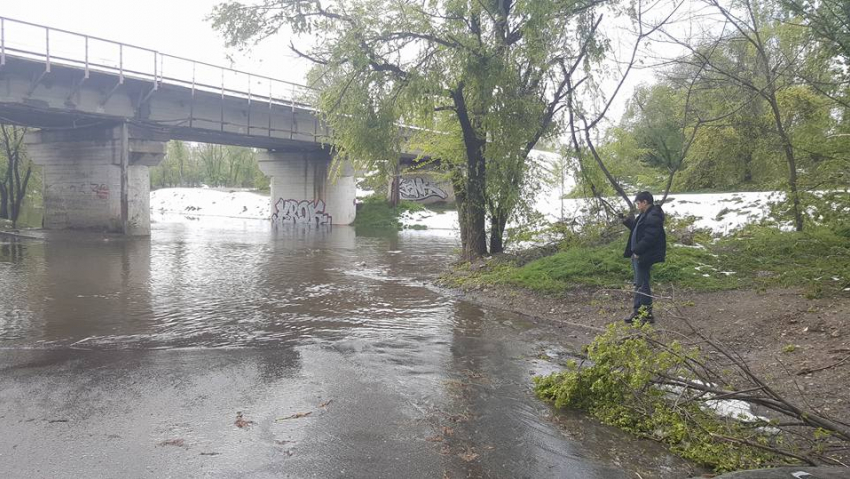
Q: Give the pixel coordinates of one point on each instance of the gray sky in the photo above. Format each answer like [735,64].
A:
[176,27]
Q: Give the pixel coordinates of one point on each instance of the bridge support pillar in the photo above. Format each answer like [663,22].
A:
[97,178]
[302,193]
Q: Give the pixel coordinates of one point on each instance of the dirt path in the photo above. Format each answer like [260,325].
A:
[801,346]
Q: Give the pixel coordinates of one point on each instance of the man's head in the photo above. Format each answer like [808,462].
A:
[643,201]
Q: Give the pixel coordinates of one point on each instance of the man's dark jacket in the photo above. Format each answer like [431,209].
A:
[651,244]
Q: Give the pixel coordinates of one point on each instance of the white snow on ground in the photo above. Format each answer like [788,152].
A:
[741,208]
[210,202]
[720,212]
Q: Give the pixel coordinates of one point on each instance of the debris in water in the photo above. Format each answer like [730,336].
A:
[468,456]
[298,415]
[210,453]
[51,421]
[325,404]
[172,442]
[240,422]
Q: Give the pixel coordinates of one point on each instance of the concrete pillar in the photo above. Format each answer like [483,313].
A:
[302,193]
[97,178]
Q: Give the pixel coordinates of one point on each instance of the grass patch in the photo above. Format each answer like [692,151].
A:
[755,257]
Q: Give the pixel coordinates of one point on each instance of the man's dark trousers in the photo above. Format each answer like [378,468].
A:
[643,292]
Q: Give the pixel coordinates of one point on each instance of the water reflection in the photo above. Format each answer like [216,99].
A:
[210,284]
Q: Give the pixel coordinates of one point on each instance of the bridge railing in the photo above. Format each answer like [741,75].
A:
[54,46]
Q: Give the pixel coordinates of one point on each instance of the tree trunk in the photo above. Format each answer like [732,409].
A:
[395,194]
[497,233]
[669,185]
[475,205]
[789,158]
[475,187]
[459,187]
[4,202]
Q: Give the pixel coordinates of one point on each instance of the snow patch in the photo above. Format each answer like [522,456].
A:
[211,202]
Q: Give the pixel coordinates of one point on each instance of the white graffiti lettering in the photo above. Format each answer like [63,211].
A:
[419,189]
[301,212]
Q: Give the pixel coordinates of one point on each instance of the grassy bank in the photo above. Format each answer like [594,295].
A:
[375,213]
[817,260]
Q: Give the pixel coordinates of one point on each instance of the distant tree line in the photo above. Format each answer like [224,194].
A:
[16,173]
[760,99]
[197,164]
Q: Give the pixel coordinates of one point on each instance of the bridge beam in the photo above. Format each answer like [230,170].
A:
[301,191]
[97,178]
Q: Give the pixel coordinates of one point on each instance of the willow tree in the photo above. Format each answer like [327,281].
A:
[480,80]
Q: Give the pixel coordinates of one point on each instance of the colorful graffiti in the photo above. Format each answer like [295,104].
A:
[301,212]
[418,189]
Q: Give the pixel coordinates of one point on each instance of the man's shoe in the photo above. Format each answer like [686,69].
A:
[640,319]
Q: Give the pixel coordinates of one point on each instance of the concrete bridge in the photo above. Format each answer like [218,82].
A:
[104,110]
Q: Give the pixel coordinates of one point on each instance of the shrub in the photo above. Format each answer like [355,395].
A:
[617,388]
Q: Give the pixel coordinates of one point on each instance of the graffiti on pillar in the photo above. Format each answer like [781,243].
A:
[301,212]
[98,190]
[101,191]
[418,189]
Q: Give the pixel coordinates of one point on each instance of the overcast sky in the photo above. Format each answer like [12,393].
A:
[178,27]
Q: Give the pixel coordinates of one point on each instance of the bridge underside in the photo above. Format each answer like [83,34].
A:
[98,133]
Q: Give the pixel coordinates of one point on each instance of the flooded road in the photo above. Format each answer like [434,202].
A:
[132,358]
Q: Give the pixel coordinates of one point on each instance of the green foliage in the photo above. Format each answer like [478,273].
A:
[376,213]
[18,185]
[827,19]
[193,165]
[617,388]
[476,85]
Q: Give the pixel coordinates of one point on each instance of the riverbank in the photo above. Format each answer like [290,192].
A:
[794,337]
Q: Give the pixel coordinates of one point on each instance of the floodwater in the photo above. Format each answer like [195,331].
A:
[133,357]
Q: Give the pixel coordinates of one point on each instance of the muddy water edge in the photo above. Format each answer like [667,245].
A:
[232,349]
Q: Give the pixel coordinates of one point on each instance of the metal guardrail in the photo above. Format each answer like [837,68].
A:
[62,47]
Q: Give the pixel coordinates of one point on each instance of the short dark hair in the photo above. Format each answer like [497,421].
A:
[644,196]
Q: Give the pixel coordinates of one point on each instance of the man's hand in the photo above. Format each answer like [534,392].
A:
[635,256]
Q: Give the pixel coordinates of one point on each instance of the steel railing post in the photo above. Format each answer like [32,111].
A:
[2,41]
[87,56]
[47,47]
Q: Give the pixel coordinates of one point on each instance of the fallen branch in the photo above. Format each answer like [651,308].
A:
[805,371]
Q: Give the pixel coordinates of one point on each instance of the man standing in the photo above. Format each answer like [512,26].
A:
[647,245]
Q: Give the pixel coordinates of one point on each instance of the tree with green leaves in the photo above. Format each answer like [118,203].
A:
[829,21]
[16,174]
[191,164]
[664,127]
[482,81]
[755,51]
